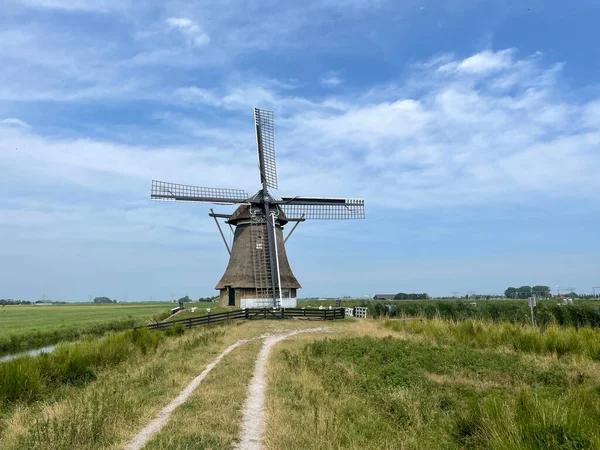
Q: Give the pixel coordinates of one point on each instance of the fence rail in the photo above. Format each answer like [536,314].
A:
[251,314]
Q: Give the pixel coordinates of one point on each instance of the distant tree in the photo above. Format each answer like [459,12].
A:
[525,292]
[511,292]
[10,301]
[185,299]
[104,300]
[541,291]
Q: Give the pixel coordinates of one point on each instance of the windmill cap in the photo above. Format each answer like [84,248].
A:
[243,214]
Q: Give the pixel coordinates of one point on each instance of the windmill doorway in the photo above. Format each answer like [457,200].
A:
[231,299]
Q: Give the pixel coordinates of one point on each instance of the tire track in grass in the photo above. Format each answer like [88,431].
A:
[144,436]
[254,408]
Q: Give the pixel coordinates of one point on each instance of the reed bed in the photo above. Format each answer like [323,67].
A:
[547,339]
[30,378]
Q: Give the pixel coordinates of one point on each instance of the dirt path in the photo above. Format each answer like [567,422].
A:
[255,403]
[154,427]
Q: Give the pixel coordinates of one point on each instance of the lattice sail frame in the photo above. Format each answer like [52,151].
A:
[265,129]
[345,209]
[164,191]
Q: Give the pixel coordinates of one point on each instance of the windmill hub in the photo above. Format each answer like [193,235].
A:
[258,273]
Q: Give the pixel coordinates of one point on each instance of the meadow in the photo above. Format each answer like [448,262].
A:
[25,327]
[409,383]
[202,309]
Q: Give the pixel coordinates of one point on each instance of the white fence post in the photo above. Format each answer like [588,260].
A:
[360,312]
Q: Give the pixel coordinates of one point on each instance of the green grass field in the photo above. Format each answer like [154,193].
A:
[201,310]
[23,327]
[362,384]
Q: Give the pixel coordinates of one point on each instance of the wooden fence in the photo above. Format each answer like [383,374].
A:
[251,314]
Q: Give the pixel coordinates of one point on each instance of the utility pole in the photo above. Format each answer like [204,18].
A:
[569,289]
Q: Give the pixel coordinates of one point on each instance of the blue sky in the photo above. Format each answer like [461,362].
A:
[471,128]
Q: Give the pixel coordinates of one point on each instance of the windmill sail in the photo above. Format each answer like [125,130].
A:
[265,142]
[185,193]
[323,208]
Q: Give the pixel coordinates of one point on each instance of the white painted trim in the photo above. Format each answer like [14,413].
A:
[267,303]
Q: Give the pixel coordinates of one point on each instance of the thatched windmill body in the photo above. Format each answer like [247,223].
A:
[258,273]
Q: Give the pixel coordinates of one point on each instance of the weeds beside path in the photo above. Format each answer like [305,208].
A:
[435,385]
[92,415]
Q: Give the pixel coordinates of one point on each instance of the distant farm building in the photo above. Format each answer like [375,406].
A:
[384,297]
[43,302]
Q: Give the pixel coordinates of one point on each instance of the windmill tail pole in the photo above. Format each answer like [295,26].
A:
[293,228]
[221,231]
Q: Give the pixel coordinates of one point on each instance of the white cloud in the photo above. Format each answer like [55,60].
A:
[15,122]
[464,139]
[482,63]
[331,80]
[197,36]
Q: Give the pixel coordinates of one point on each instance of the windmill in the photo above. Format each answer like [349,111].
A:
[258,273]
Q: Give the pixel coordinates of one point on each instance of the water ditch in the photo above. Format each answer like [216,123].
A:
[34,352]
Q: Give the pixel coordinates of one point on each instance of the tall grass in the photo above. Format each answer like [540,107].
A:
[532,420]
[29,378]
[372,393]
[582,313]
[15,342]
[106,413]
[549,339]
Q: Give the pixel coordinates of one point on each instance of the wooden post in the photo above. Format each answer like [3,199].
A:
[190,323]
[282,313]
[246,313]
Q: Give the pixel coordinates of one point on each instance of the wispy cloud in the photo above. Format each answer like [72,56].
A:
[195,34]
[331,79]
[16,122]
[74,5]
